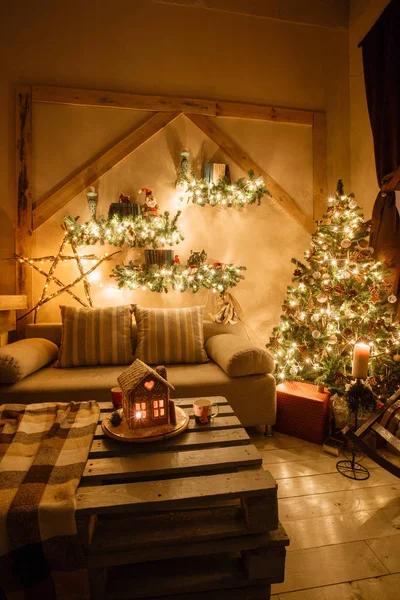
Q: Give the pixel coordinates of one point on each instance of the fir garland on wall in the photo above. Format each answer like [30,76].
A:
[178,277]
[222,192]
[132,231]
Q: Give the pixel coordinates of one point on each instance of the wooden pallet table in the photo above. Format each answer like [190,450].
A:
[182,517]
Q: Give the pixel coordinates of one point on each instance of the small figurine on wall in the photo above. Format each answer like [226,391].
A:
[150,206]
[177,260]
[196,259]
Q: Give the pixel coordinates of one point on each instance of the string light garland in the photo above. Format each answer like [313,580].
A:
[223,192]
[339,295]
[178,277]
[51,278]
[131,231]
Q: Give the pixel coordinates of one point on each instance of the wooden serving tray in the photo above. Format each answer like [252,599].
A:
[149,434]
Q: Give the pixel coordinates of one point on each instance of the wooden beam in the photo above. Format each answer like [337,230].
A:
[13,302]
[320,169]
[78,97]
[239,156]
[23,236]
[69,189]
[265,113]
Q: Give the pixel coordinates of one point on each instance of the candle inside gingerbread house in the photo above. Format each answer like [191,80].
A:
[146,401]
[360,360]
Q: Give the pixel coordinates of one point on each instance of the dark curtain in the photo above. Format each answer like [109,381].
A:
[381,59]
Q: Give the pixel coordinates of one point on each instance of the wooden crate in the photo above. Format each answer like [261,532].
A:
[182,516]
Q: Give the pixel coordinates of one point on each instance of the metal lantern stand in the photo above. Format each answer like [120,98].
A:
[352,468]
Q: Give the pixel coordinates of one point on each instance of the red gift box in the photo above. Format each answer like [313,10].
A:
[302,411]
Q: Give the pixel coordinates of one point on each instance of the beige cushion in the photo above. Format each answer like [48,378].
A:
[22,358]
[95,336]
[239,357]
[170,335]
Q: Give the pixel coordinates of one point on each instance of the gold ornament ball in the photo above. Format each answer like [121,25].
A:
[322,298]
[333,340]
[396,358]
[316,275]
[316,334]
[346,243]
[392,299]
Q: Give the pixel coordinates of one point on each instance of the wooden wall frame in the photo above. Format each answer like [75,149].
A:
[33,213]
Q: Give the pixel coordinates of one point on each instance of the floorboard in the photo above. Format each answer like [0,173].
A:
[345,535]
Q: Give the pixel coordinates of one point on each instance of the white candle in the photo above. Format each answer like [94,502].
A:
[360,360]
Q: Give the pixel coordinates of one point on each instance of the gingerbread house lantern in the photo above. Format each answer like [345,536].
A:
[145,398]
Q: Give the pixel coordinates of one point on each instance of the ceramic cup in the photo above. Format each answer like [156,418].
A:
[203,411]
[116,397]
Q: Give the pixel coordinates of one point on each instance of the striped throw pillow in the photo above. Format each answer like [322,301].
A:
[95,336]
[170,335]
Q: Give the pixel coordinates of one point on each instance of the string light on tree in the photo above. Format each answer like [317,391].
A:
[340,296]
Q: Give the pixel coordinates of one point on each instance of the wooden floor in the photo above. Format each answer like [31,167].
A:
[345,535]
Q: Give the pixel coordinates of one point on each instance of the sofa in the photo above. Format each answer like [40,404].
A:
[253,397]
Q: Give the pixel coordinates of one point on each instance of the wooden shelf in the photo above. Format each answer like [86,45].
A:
[13,302]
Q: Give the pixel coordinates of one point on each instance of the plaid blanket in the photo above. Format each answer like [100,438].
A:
[43,451]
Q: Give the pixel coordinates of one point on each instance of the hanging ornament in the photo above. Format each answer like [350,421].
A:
[346,243]
[352,204]
[316,275]
[346,274]
[347,332]
[322,298]
[363,244]
[297,273]
[370,249]
[325,276]
[333,340]
[325,247]
[316,334]
[396,358]
[348,312]
[392,299]
[293,371]
[315,318]
[327,222]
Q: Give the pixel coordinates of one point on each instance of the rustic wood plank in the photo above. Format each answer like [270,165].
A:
[23,234]
[317,567]
[312,451]
[8,320]
[186,576]
[253,592]
[320,166]
[260,112]
[69,189]
[339,502]
[220,422]
[173,494]
[257,511]
[259,561]
[385,587]
[332,482]
[176,535]
[107,99]
[13,302]
[342,528]
[306,468]
[387,549]
[104,448]
[145,465]
[169,529]
[239,156]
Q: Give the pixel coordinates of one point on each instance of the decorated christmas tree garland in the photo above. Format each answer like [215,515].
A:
[132,231]
[178,277]
[341,296]
[222,192]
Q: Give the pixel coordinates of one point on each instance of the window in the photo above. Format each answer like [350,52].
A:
[158,409]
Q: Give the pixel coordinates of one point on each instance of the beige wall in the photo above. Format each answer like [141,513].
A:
[164,48]
[363,14]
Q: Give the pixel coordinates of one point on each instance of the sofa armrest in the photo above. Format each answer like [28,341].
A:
[238,357]
[24,357]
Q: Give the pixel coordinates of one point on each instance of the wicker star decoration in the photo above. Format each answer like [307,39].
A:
[51,277]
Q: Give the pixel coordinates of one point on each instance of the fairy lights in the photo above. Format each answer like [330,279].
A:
[241,193]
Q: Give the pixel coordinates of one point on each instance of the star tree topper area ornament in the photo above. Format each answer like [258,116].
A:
[147,412]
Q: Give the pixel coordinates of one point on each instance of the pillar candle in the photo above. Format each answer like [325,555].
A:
[360,360]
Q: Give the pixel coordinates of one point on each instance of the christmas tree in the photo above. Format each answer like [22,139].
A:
[339,297]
